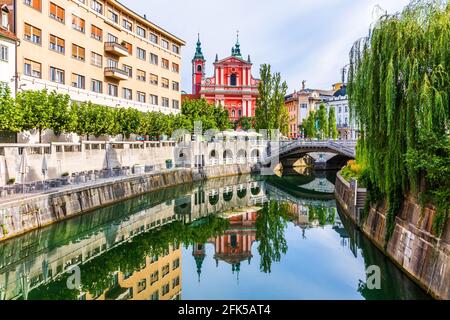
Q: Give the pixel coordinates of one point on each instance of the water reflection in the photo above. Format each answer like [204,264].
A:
[185,242]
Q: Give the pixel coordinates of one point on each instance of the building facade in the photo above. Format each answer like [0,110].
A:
[98,51]
[8,43]
[232,85]
[346,126]
[300,104]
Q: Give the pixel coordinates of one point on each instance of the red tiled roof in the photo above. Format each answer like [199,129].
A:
[8,34]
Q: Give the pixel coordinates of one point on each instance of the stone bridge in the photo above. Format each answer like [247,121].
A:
[289,152]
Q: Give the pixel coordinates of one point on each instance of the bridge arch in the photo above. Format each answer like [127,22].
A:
[242,156]
[228,156]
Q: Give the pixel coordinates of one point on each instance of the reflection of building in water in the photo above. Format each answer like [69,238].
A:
[44,266]
[158,279]
[234,246]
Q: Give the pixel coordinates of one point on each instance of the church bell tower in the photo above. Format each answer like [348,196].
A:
[198,68]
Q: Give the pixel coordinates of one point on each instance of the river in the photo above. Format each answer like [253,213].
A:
[247,237]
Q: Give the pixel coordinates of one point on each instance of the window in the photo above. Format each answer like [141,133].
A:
[141,75]
[113,63]
[96,33]
[127,93]
[164,44]
[153,59]
[153,38]
[165,270]
[165,102]
[36,4]
[140,31]
[175,67]
[78,52]
[114,17]
[112,38]
[32,69]
[176,49]
[142,285]
[153,99]
[57,75]
[165,289]
[304,106]
[340,110]
[127,24]
[57,13]
[97,6]
[141,97]
[4,53]
[78,81]
[233,80]
[78,23]
[33,34]
[165,63]
[175,282]
[96,59]
[112,90]
[175,104]
[128,70]
[165,83]
[175,86]
[141,54]
[153,79]
[155,295]
[154,277]
[96,86]
[57,44]
[175,263]
[5,24]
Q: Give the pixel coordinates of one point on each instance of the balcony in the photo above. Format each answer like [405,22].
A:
[116,73]
[116,49]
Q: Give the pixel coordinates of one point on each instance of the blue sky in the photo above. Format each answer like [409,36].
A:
[302,39]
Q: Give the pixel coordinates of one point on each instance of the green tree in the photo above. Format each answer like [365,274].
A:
[322,122]
[62,120]
[245,123]
[36,110]
[11,118]
[399,89]
[332,127]
[271,112]
[211,116]
[128,120]
[310,125]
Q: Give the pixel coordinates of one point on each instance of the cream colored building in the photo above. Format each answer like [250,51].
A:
[99,51]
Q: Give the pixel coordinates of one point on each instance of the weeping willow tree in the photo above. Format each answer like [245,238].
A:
[399,88]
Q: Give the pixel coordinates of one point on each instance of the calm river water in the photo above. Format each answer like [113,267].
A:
[234,238]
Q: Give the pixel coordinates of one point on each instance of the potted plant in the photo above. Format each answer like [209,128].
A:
[169,164]
[65,178]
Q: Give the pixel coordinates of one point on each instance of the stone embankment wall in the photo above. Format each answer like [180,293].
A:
[412,247]
[20,216]
[75,157]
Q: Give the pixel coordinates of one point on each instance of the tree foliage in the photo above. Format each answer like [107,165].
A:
[332,127]
[399,89]
[271,112]
[42,110]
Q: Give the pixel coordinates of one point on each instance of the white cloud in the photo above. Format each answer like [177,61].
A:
[303,39]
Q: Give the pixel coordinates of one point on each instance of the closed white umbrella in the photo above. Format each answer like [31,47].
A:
[23,167]
[44,167]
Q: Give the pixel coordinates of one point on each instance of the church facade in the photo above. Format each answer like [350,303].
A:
[232,85]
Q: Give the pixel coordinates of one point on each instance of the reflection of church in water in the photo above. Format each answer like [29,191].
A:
[234,246]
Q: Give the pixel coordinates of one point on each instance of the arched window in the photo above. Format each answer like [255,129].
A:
[199,68]
[233,113]
[233,80]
